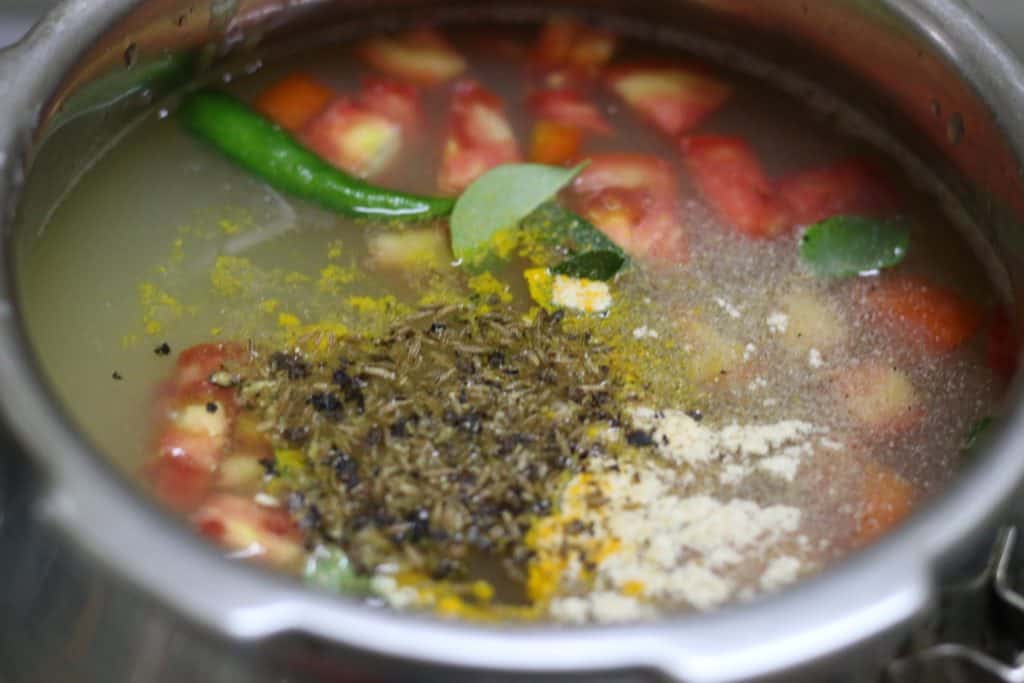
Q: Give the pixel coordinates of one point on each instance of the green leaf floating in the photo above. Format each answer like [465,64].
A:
[331,569]
[975,433]
[592,265]
[499,200]
[557,225]
[843,246]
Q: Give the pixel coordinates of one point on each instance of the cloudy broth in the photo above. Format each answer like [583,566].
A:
[736,385]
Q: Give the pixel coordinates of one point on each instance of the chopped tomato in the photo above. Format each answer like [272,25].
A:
[577,49]
[850,187]
[294,101]
[422,57]
[568,107]
[886,500]
[191,381]
[879,397]
[178,483]
[932,317]
[251,530]
[676,99]
[634,199]
[195,445]
[353,138]
[554,143]
[729,175]
[1003,349]
[479,137]
[395,101]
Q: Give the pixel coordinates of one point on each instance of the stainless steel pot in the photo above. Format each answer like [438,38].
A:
[99,585]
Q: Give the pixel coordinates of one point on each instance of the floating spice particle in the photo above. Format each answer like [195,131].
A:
[211,407]
[290,363]
[639,437]
[296,435]
[163,350]
[117,376]
[325,402]
[223,379]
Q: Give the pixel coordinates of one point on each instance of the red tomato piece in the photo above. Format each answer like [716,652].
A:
[178,483]
[353,138]
[675,99]
[422,57]
[577,49]
[395,101]
[568,107]
[294,101]
[886,500]
[253,531]
[933,318]
[634,199]
[201,447]
[554,143]
[851,187]
[1003,348]
[729,175]
[191,381]
[479,137]
[879,397]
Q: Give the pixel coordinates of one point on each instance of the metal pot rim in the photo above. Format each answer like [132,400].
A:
[108,518]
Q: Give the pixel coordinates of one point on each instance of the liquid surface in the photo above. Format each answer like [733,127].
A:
[763,423]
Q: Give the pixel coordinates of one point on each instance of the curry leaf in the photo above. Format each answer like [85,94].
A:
[499,200]
[843,246]
[592,265]
[976,432]
[557,225]
[332,570]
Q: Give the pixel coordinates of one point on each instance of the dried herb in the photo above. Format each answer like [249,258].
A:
[436,444]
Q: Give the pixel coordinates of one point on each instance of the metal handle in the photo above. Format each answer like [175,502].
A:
[984,620]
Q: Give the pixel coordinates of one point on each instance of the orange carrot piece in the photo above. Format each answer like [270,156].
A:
[886,500]
[554,143]
[933,317]
[294,101]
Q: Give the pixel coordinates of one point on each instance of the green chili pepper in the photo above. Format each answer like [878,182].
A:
[263,148]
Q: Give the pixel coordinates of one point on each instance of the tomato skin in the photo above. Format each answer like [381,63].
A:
[634,199]
[571,50]
[395,101]
[932,318]
[1003,349]
[178,483]
[855,187]
[238,524]
[294,101]
[568,107]
[421,57]
[730,176]
[187,450]
[674,98]
[353,138]
[196,365]
[479,137]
